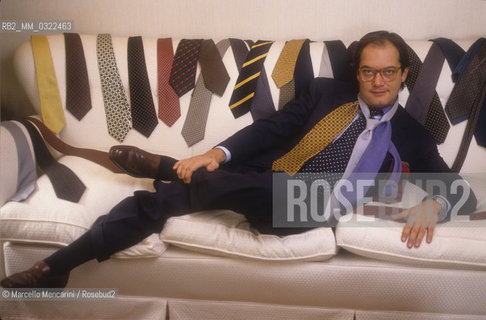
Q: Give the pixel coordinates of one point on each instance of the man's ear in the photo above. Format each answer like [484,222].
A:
[405,74]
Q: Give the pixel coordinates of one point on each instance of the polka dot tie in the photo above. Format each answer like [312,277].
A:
[436,122]
[144,118]
[320,137]
[78,95]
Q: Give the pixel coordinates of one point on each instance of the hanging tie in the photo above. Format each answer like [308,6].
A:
[78,95]
[318,138]
[117,110]
[169,107]
[144,118]
[195,125]
[338,56]
[452,52]
[436,121]
[262,104]
[50,99]
[325,69]
[183,73]
[66,184]
[26,173]
[283,72]
[470,94]
[420,99]
[459,104]
[304,71]
[216,77]
[244,91]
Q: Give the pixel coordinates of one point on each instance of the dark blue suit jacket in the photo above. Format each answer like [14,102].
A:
[258,145]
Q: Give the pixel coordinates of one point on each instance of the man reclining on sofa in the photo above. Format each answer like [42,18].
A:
[326,129]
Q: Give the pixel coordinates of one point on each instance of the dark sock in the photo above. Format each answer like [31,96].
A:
[65,259]
[165,171]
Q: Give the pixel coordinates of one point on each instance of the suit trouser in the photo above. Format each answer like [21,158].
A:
[144,213]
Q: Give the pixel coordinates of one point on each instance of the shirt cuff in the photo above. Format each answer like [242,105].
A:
[226,152]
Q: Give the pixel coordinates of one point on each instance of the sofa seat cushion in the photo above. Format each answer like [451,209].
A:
[458,243]
[229,234]
[45,219]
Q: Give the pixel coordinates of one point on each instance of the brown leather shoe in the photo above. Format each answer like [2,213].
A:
[135,161]
[35,277]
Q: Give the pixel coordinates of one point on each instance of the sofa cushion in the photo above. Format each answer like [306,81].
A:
[229,234]
[458,243]
[43,218]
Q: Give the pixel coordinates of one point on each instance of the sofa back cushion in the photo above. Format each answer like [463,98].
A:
[92,130]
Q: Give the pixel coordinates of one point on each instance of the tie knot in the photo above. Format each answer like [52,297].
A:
[376,113]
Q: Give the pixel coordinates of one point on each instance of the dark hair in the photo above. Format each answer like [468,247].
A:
[380,38]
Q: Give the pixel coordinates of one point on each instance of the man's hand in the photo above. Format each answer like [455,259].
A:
[420,219]
[211,160]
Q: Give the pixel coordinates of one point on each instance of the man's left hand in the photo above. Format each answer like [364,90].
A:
[421,220]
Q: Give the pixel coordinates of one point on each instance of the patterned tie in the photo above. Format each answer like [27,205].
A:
[50,99]
[117,110]
[78,95]
[244,91]
[283,72]
[334,158]
[436,122]
[318,138]
[216,77]
[183,73]
[420,98]
[195,125]
[461,99]
[262,105]
[144,118]
[451,50]
[469,94]
[169,107]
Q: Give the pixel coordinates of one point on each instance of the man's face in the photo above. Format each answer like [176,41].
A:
[379,75]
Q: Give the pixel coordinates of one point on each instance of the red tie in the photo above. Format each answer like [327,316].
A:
[183,73]
[169,108]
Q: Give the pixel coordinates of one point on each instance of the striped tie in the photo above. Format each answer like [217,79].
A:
[246,83]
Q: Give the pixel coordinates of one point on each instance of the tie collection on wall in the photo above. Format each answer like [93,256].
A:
[176,76]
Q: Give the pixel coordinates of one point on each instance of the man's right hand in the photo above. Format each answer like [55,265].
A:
[211,160]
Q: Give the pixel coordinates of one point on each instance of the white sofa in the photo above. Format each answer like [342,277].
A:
[212,265]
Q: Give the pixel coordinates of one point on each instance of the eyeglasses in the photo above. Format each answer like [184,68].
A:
[387,74]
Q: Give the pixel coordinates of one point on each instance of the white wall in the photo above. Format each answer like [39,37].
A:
[249,19]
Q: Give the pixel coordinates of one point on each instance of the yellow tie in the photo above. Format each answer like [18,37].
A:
[318,138]
[283,72]
[50,99]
